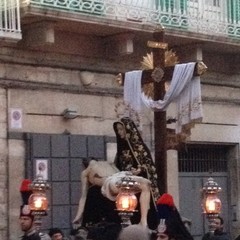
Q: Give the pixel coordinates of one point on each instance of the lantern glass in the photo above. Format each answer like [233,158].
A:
[212,204]
[126,202]
[38,201]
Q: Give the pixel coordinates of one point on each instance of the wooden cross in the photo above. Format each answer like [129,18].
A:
[159,75]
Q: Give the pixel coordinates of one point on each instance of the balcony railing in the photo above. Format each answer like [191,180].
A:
[212,17]
[10,28]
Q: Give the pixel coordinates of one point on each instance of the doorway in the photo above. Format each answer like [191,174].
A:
[196,164]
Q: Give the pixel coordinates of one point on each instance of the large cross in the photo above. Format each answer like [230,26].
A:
[160,121]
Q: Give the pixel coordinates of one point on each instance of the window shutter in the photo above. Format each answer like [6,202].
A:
[234,11]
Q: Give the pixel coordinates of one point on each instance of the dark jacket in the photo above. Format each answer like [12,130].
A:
[218,235]
[34,235]
[238,237]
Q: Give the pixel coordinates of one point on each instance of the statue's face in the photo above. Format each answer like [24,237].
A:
[120,130]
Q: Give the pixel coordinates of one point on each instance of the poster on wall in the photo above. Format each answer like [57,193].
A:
[42,168]
[16,118]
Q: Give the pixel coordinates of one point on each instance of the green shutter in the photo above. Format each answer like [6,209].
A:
[233,8]
[183,6]
[234,11]
[238,11]
[169,4]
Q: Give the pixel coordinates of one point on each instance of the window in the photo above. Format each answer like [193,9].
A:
[203,158]
[213,3]
[216,3]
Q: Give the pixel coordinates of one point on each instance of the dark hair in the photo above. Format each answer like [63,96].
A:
[53,231]
[221,219]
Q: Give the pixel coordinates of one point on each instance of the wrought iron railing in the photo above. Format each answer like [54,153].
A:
[10,19]
[212,17]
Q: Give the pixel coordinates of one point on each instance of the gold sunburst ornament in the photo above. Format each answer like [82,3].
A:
[147,62]
[171,59]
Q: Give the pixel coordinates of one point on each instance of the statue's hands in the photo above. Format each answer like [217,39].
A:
[76,225]
[136,171]
[76,222]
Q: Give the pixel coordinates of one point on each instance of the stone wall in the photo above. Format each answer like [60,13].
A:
[4,167]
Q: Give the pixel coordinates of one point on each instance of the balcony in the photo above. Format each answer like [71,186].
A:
[200,19]
[10,28]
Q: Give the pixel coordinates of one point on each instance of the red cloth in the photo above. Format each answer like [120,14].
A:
[166,199]
[25,186]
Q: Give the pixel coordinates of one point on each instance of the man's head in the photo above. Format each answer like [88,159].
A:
[55,234]
[26,223]
[219,223]
[135,232]
[26,218]
[162,236]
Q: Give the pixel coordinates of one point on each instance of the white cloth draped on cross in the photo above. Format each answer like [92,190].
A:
[184,89]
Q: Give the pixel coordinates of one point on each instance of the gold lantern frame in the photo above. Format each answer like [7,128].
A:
[211,202]
[38,201]
[126,201]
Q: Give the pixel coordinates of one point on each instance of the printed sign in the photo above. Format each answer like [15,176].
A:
[16,118]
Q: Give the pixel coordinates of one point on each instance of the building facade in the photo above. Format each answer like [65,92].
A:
[59,60]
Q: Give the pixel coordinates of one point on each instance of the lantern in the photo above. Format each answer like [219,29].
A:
[126,201]
[211,202]
[38,201]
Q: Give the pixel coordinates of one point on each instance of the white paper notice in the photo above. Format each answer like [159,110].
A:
[16,118]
